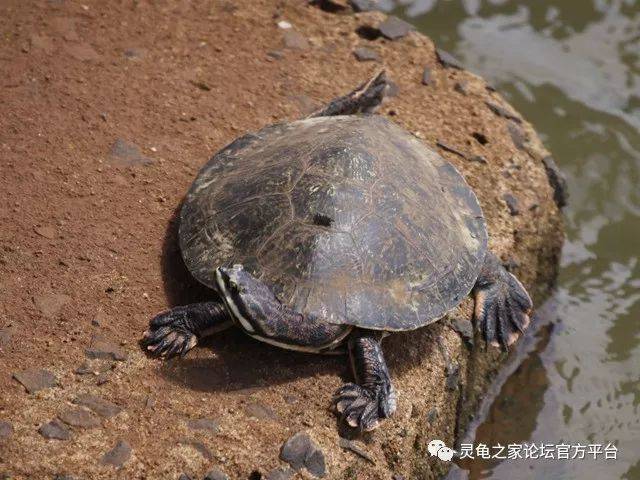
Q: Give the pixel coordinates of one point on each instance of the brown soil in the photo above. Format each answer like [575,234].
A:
[88,232]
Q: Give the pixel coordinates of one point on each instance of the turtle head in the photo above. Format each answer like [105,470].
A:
[247,299]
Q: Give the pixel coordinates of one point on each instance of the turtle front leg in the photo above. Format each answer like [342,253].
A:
[364,99]
[372,398]
[176,331]
[502,304]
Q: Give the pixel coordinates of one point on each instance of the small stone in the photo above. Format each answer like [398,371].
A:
[134,53]
[364,54]
[277,54]
[315,462]
[118,455]
[83,52]
[462,87]
[295,40]
[479,159]
[103,348]
[184,476]
[100,319]
[432,414]
[98,405]
[55,430]
[283,24]
[427,78]
[216,474]
[453,376]
[397,477]
[62,476]
[260,411]
[280,474]
[150,402]
[79,417]
[517,135]
[512,203]
[125,154]
[46,232]
[301,451]
[557,181]
[394,28]
[464,328]
[207,424]
[449,148]
[6,429]
[392,89]
[502,112]
[363,5]
[357,449]
[50,304]
[35,379]
[448,60]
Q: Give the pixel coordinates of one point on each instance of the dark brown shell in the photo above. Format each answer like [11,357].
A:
[350,218]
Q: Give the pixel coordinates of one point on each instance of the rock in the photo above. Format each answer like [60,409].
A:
[479,159]
[517,135]
[50,304]
[260,411]
[6,429]
[447,60]
[280,474]
[462,87]
[98,405]
[464,328]
[206,424]
[394,28]
[118,455]
[134,53]
[453,376]
[184,476]
[83,52]
[557,181]
[357,449]
[427,78]
[46,232]
[301,451]
[512,203]
[55,430]
[79,417]
[449,148]
[216,474]
[295,40]
[364,54]
[392,88]
[284,25]
[502,112]
[125,154]
[277,54]
[103,348]
[397,477]
[35,379]
[363,5]
[432,415]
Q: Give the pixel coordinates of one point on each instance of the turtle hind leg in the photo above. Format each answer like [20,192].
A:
[176,331]
[363,405]
[364,99]
[502,304]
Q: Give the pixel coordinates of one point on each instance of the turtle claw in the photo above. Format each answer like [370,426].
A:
[363,408]
[168,337]
[502,310]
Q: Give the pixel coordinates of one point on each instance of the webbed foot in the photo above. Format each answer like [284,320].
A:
[502,304]
[363,405]
[174,332]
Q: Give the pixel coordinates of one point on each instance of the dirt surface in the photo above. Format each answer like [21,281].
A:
[107,114]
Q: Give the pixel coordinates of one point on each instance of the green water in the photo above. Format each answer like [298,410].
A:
[572,67]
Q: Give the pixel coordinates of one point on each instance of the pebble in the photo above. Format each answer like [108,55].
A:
[50,304]
[392,89]
[301,451]
[54,430]
[557,181]
[63,476]
[502,112]
[103,348]
[464,329]
[46,232]
[277,54]
[517,135]
[479,159]
[79,417]
[184,476]
[427,78]
[216,474]
[280,474]
[126,154]
[364,54]
[363,5]
[260,411]
[134,53]
[357,449]
[295,40]
[394,28]
[36,379]
[449,148]
[512,203]
[453,376]
[432,414]
[118,455]
[83,52]
[207,424]
[102,407]
[448,60]
[462,87]
[283,24]
[6,429]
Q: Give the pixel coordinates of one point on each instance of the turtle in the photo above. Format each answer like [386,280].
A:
[326,234]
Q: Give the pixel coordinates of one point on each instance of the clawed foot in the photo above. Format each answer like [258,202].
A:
[502,310]
[363,408]
[168,335]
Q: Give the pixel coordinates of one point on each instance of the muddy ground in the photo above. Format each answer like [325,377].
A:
[108,109]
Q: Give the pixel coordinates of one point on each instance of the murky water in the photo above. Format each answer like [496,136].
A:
[572,67]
